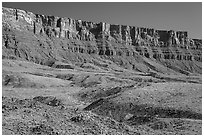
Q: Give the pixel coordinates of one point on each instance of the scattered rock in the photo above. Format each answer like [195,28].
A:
[78,118]
[128,116]
[49,100]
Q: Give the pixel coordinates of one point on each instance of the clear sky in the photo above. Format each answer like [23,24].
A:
[165,16]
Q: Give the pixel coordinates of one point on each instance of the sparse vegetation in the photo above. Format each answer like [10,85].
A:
[86,81]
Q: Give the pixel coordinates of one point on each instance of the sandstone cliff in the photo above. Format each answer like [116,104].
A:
[38,38]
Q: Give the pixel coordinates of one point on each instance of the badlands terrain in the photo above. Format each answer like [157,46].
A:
[62,76]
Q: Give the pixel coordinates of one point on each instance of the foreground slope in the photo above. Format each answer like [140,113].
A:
[42,100]
[66,76]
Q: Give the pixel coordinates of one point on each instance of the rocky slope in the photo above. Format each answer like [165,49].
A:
[41,38]
[65,76]
[37,99]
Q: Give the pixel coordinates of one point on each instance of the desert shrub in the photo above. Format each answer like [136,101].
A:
[49,62]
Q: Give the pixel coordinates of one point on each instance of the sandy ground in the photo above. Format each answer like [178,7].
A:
[90,100]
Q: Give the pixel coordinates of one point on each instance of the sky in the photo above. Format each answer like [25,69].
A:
[159,15]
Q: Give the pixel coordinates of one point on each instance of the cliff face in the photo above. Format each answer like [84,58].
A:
[35,37]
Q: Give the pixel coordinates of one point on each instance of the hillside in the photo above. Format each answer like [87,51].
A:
[67,76]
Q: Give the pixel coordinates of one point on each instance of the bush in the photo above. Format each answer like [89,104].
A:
[49,62]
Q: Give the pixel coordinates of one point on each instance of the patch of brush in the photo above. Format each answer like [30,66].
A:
[17,81]
[49,100]
[139,114]
[65,76]
[140,119]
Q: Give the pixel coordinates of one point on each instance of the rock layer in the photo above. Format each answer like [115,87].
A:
[124,45]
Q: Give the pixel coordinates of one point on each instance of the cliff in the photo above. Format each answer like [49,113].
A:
[37,38]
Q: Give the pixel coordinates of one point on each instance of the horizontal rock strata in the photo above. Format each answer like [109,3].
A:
[101,39]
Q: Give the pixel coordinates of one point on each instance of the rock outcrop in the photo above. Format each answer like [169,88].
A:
[37,37]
